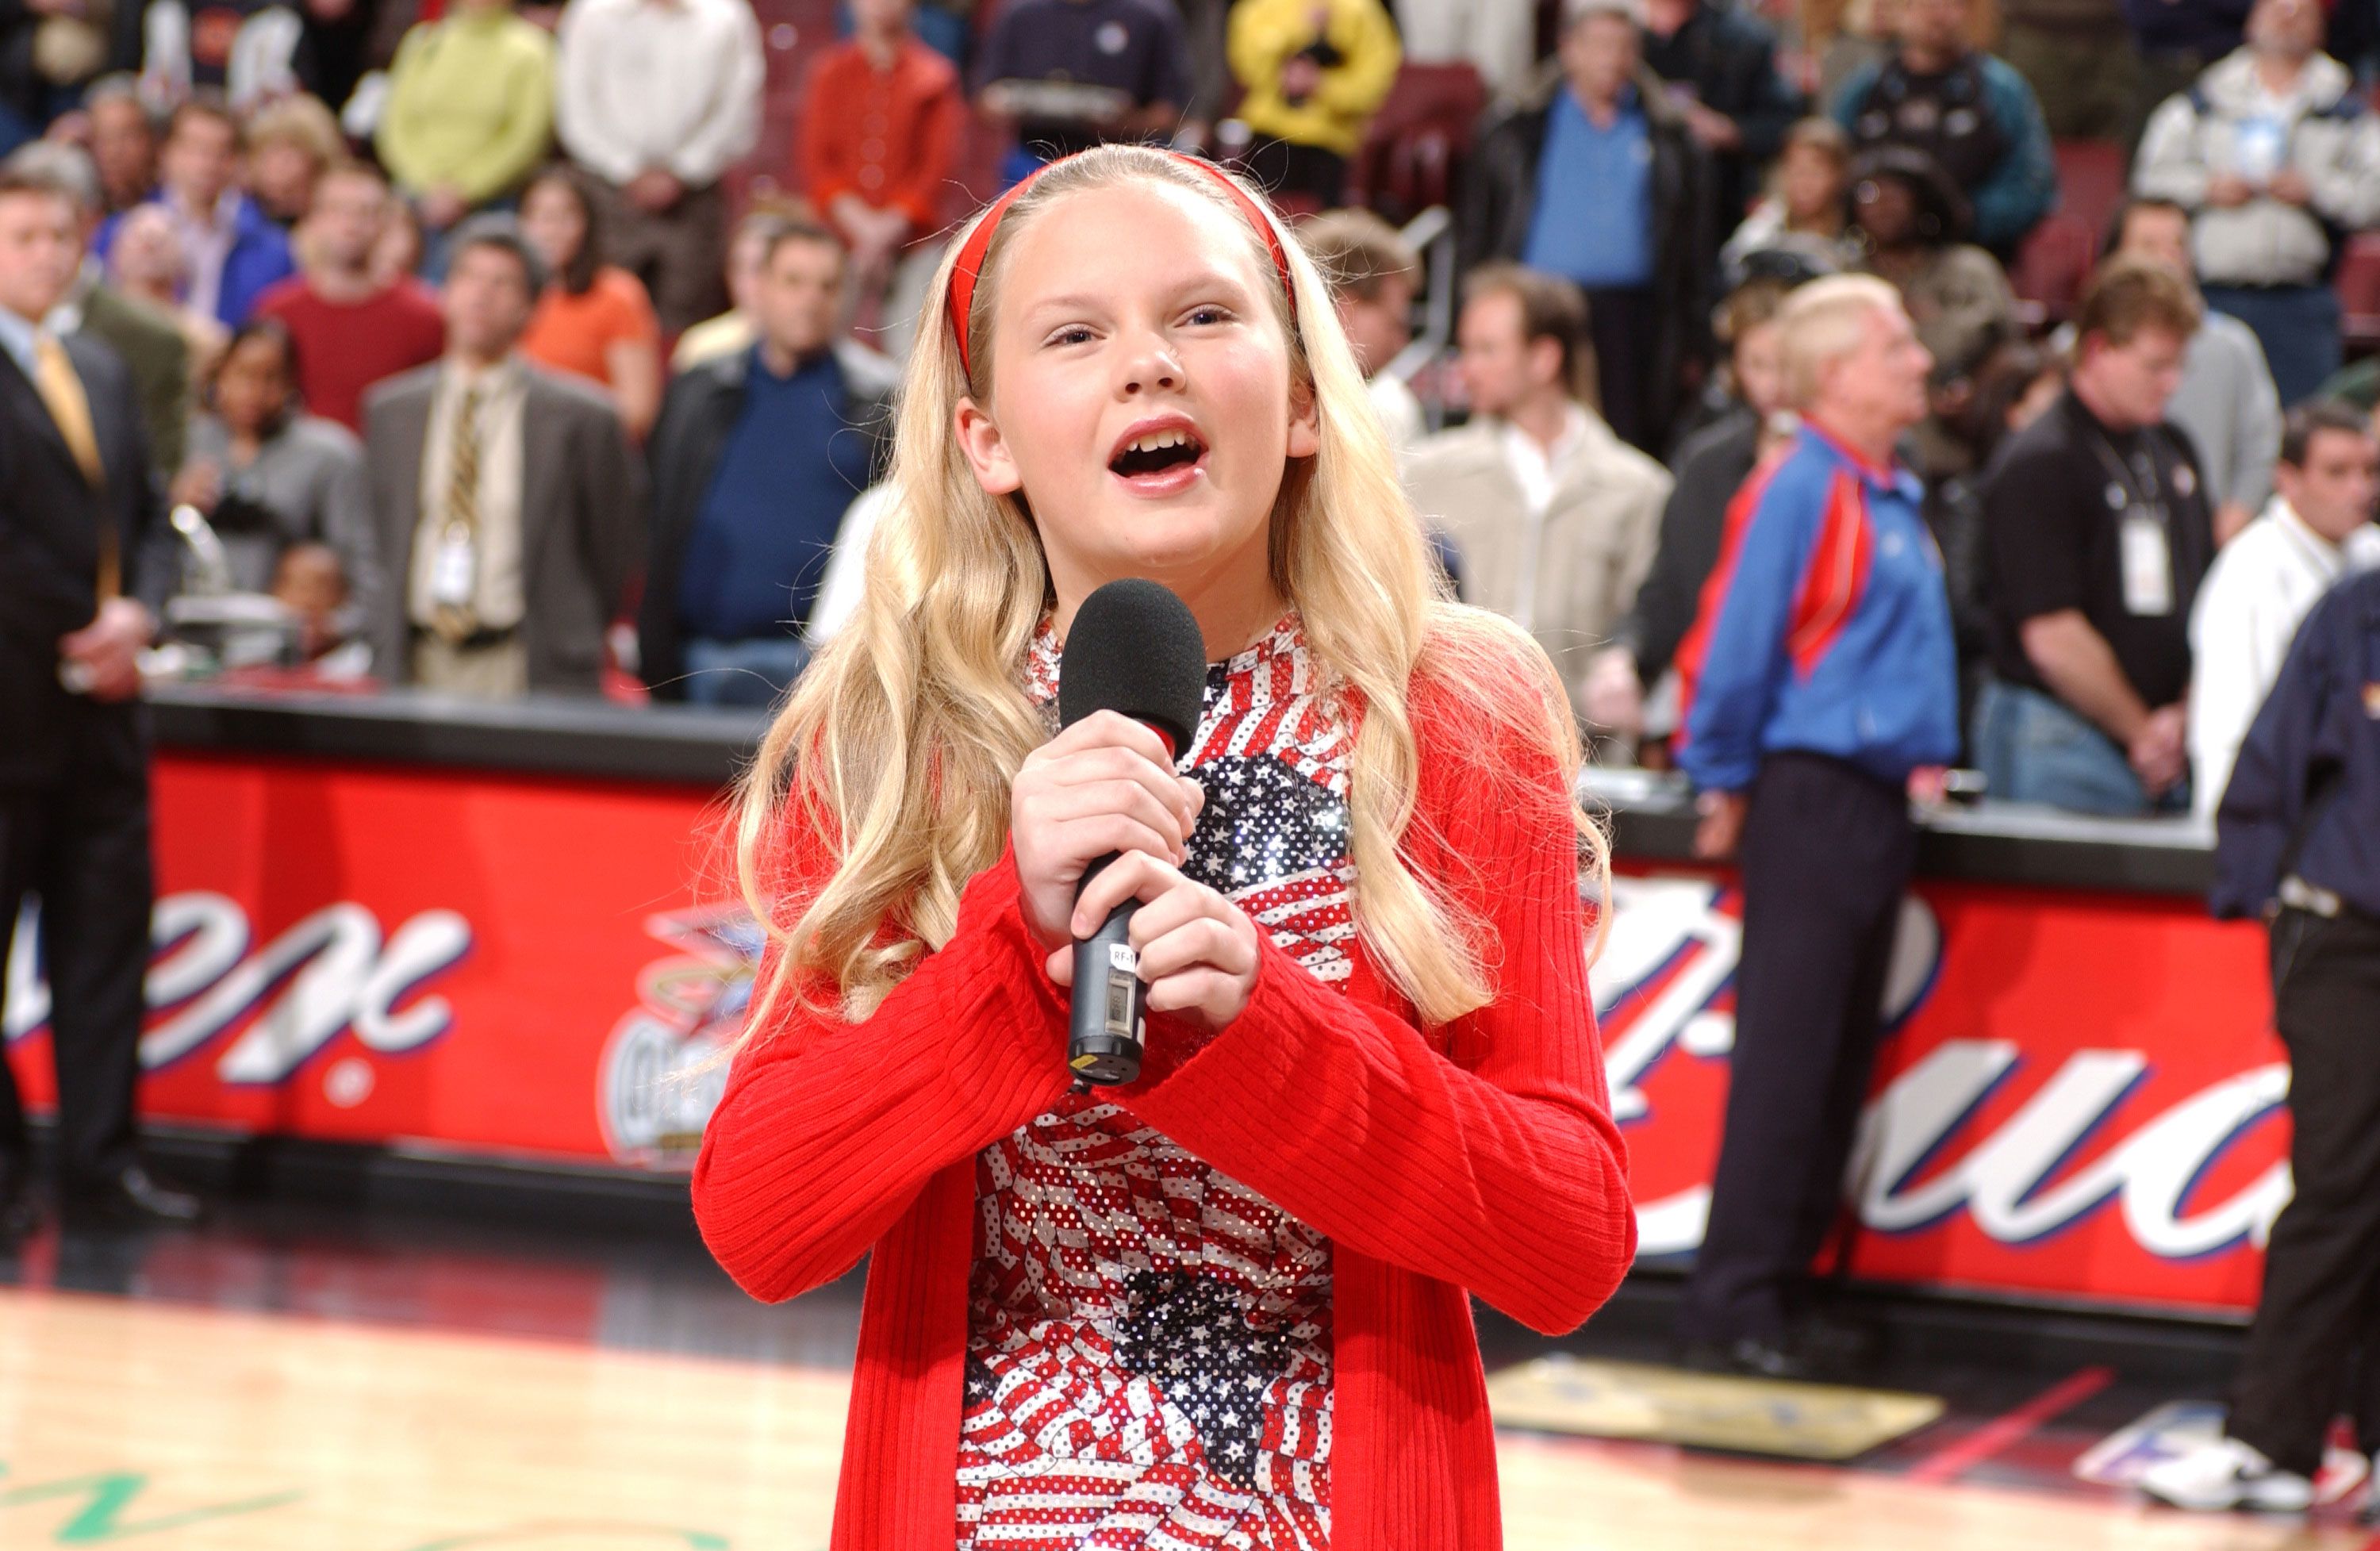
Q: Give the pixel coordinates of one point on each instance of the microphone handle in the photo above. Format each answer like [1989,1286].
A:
[1103,1043]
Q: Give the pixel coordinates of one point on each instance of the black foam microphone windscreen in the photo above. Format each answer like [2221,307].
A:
[1134,649]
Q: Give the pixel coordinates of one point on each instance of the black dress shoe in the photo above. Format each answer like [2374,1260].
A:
[1748,1357]
[130,1198]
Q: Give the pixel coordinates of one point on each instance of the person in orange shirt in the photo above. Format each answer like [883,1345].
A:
[595,319]
[880,122]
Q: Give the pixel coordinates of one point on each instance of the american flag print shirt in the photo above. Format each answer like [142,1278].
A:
[1149,1341]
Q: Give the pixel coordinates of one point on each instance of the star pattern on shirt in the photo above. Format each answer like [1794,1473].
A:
[1148,1362]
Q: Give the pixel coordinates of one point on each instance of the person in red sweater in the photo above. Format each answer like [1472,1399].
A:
[880,122]
[1227,1303]
[352,328]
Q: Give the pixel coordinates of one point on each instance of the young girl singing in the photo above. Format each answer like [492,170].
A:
[1225,1304]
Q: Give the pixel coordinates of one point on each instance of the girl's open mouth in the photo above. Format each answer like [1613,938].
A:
[1160,458]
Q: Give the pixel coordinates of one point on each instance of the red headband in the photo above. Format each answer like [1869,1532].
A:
[969,266]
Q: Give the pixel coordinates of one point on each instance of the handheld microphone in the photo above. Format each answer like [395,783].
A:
[1133,649]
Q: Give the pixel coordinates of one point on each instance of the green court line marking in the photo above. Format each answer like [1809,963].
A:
[111,1493]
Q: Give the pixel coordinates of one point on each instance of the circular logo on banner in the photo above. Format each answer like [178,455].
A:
[1112,37]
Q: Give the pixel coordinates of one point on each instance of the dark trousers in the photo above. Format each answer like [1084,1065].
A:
[1827,854]
[1623,325]
[2322,1269]
[1302,177]
[680,253]
[82,845]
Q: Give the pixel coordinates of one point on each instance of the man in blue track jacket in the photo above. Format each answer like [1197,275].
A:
[1820,674]
[2298,844]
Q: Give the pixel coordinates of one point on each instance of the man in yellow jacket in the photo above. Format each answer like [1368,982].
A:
[1315,71]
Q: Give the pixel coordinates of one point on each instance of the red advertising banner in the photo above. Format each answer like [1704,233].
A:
[2079,1099]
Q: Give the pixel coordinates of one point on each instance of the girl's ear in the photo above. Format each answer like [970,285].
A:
[1304,420]
[986,449]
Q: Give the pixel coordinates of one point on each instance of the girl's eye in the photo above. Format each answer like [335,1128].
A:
[1073,333]
[1210,315]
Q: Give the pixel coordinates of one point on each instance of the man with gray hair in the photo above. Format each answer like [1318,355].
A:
[1821,675]
[150,344]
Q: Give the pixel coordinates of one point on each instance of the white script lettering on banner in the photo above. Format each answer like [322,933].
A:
[331,971]
[1916,1165]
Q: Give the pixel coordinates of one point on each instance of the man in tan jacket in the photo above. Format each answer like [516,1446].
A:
[1556,519]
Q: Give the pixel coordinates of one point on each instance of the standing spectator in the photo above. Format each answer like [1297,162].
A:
[244,51]
[123,141]
[1912,222]
[757,457]
[290,144]
[78,536]
[2078,57]
[2176,40]
[1809,210]
[1711,466]
[351,328]
[1719,62]
[146,264]
[881,125]
[658,99]
[732,332]
[148,341]
[1315,72]
[507,505]
[1819,677]
[1554,516]
[270,477]
[1969,112]
[2295,844]
[2096,533]
[2227,403]
[469,110]
[594,320]
[1373,274]
[2317,529]
[1068,74]
[1599,182]
[2275,152]
[231,253]
[1497,38]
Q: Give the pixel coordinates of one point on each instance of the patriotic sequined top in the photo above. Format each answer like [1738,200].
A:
[1148,1342]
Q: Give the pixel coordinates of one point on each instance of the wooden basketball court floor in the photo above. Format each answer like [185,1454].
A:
[179,1412]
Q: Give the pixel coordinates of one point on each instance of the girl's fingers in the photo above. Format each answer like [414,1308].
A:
[1135,874]
[1203,941]
[1196,988]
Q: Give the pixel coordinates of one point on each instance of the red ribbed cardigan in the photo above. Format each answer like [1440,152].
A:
[1481,1156]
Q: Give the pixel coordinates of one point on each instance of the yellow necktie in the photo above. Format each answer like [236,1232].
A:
[60,391]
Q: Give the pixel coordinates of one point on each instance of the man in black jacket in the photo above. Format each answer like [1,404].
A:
[2298,844]
[755,458]
[78,522]
[1597,177]
[1720,63]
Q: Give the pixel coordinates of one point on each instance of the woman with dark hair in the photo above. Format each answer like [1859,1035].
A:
[270,477]
[595,319]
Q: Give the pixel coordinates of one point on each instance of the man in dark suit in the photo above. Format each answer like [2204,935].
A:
[151,343]
[77,524]
[507,503]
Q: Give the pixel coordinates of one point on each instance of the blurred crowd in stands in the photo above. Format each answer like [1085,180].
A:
[548,347]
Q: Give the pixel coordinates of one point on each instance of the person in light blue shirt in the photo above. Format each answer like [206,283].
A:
[1603,184]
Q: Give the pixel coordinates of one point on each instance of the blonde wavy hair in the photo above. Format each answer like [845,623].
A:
[897,746]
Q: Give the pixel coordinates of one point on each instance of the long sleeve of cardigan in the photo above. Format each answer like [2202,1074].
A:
[1497,1166]
[827,1130]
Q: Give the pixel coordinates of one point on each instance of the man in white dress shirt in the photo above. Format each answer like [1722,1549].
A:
[2317,530]
[659,98]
